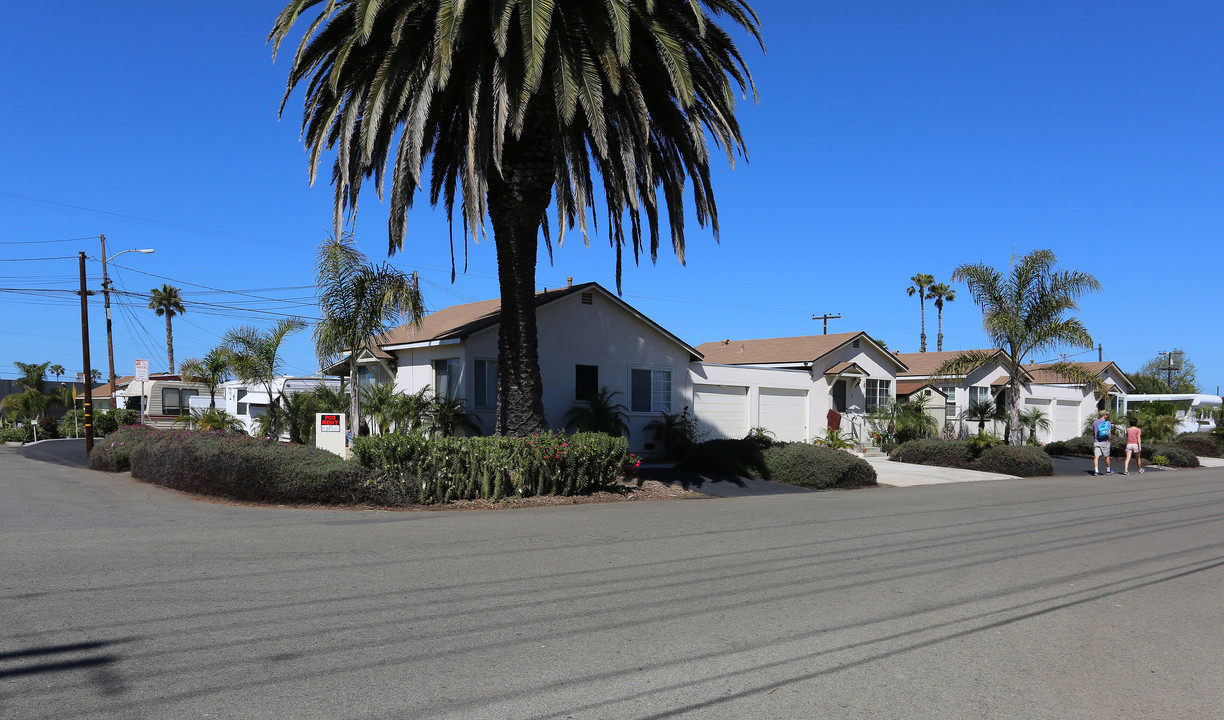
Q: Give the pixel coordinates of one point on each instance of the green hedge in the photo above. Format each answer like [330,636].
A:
[414,469]
[745,458]
[933,451]
[231,466]
[817,467]
[1178,457]
[1201,444]
[1021,460]
[12,435]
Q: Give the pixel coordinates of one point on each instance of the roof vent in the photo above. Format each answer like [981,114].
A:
[588,299]
[855,343]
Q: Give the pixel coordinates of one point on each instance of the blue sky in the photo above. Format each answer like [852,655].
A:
[891,138]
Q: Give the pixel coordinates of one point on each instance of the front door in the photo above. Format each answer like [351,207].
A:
[839,396]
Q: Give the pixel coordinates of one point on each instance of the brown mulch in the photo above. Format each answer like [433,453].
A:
[627,491]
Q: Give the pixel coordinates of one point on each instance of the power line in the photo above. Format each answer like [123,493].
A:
[44,242]
[64,257]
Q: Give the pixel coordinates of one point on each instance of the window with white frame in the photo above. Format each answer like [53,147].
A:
[486,384]
[649,390]
[1117,405]
[950,405]
[446,378]
[877,392]
[978,393]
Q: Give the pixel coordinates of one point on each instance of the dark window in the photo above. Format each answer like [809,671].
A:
[586,381]
[446,378]
[486,383]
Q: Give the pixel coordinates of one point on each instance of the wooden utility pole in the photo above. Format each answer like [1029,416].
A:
[110,348]
[826,318]
[1171,367]
[89,433]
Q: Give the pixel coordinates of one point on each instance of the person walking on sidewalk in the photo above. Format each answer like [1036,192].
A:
[1134,444]
[1100,443]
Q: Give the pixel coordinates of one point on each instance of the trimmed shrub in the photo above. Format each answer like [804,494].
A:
[933,451]
[745,458]
[12,435]
[817,467]
[415,469]
[1021,460]
[1177,457]
[239,467]
[108,421]
[1074,446]
[1201,444]
[114,454]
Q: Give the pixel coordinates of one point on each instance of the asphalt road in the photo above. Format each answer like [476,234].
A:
[1066,597]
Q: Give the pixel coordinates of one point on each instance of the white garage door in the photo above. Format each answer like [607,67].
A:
[722,411]
[1066,419]
[784,413]
[1044,407]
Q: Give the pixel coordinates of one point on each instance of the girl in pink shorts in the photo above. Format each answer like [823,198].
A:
[1134,444]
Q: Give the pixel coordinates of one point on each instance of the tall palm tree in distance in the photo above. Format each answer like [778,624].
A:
[1024,313]
[921,282]
[57,370]
[516,105]
[166,301]
[358,300]
[940,293]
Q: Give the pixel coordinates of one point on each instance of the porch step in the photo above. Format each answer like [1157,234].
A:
[873,452]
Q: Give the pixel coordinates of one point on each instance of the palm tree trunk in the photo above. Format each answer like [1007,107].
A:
[922,304]
[517,201]
[355,398]
[169,344]
[939,346]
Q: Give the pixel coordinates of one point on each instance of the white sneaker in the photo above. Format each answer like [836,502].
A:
[1109,472]
[1096,472]
[1126,472]
[1142,470]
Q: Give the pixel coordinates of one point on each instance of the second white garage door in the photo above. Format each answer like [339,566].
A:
[1066,419]
[784,413]
[722,411]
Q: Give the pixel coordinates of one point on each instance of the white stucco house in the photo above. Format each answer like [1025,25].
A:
[795,387]
[588,338]
[985,384]
[1069,405]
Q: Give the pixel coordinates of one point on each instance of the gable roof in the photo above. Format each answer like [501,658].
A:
[909,387]
[1044,375]
[458,322]
[925,364]
[803,349]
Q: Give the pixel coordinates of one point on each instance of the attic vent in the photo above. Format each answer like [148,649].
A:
[855,344]
[588,299]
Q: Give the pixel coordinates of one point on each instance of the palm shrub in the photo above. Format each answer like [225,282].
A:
[1020,460]
[600,413]
[977,444]
[678,432]
[299,415]
[836,440]
[210,419]
[445,417]
[934,451]
[816,467]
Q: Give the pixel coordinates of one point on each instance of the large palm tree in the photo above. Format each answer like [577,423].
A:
[167,301]
[358,300]
[210,371]
[920,283]
[516,105]
[940,293]
[1024,313]
[255,358]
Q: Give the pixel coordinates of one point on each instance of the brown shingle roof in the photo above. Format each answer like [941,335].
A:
[925,364]
[908,387]
[1042,373]
[459,321]
[802,349]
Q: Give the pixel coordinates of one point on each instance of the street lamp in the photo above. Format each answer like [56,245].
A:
[110,349]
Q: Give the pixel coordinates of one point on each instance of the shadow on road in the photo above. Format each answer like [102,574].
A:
[70,452]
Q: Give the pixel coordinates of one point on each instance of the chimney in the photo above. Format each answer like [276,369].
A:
[569,282]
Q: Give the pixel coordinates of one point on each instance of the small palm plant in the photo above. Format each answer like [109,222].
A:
[1034,419]
[446,417]
[982,412]
[410,411]
[676,431]
[601,414]
[299,416]
[837,440]
[378,403]
[211,419]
